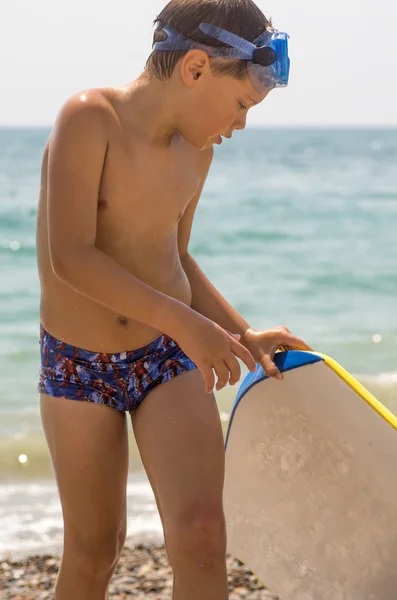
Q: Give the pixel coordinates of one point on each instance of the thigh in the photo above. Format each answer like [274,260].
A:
[89,450]
[179,435]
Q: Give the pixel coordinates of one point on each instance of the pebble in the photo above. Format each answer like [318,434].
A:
[143,573]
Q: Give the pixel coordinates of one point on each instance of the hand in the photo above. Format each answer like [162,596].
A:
[263,345]
[212,348]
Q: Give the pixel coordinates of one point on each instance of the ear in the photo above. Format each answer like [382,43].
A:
[193,67]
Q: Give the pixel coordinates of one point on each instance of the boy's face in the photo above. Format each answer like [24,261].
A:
[216,106]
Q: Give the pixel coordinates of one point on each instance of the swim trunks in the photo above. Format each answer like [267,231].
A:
[120,381]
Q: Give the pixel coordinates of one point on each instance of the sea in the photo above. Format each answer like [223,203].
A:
[296,227]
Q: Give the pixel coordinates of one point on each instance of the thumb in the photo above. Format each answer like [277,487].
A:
[270,368]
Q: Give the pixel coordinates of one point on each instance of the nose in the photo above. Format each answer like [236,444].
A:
[240,122]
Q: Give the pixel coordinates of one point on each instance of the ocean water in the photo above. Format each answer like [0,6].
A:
[295,227]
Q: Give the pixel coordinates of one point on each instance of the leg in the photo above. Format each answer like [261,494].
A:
[179,435]
[89,449]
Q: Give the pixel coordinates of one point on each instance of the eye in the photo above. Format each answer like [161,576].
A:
[242,106]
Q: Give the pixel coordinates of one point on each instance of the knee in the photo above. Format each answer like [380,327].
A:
[96,553]
[198,534]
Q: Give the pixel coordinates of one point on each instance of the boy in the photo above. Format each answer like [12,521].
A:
[129,322]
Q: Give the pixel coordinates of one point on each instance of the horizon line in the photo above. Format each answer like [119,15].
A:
[4,126]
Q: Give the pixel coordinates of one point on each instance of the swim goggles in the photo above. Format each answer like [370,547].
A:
[267,57]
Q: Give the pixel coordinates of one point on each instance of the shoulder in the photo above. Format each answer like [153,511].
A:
[87,112]
[88,101]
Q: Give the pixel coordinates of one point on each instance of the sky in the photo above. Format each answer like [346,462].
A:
[343,58]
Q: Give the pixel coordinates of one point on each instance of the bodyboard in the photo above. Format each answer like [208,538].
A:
[310,488]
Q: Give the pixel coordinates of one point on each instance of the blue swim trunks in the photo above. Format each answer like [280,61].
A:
[120,381]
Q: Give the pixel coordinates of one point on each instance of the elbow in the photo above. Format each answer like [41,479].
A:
[64,263]
[60,267]
[184,256]
[70,265]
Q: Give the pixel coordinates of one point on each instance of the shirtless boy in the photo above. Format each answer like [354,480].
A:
[129,322]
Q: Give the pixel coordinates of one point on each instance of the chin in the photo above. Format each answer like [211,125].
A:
[208,144]
[200,145]
[198,141]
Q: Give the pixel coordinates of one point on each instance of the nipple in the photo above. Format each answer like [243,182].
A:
[102,204]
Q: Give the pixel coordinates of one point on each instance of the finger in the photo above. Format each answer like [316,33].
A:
[209,378]
[283,328]
[235,336]
[234,369]
[270,367]
[242,353]
[294,343]
[222,372]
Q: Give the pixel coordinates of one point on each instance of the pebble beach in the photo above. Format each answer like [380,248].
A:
[143,573]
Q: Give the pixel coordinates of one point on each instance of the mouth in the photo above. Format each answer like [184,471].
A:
[219,139]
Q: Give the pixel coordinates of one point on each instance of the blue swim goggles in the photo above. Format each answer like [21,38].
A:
[267,57]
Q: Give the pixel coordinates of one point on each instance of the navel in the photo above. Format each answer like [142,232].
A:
[122,321]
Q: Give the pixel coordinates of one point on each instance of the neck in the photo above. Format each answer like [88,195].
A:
[149,107]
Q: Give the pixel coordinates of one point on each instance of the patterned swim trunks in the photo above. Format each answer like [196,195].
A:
[120,381]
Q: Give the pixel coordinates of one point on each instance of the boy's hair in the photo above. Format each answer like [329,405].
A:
[241,17]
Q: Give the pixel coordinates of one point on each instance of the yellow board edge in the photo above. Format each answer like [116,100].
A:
[382,411]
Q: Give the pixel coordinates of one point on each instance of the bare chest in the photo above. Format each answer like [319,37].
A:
[145,192]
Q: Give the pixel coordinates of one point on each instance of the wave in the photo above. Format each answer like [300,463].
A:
[31,519]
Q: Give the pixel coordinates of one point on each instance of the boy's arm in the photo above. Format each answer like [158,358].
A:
[207,300]
[77,153]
